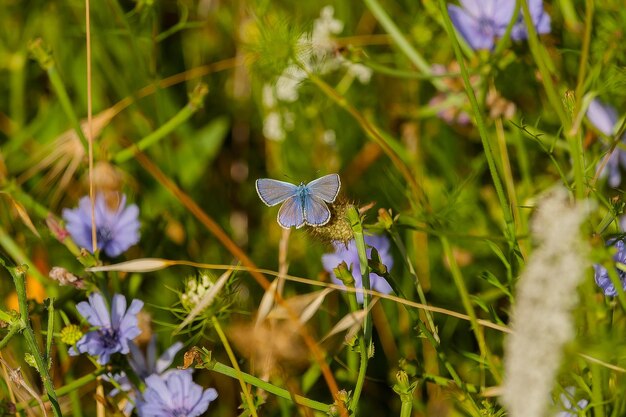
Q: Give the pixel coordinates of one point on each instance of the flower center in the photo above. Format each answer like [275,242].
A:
[109,337]
[104,235]
[486,26]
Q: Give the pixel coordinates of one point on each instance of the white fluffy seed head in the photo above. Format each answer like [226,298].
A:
[546,293]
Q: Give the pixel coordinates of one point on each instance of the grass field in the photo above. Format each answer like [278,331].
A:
[349,208]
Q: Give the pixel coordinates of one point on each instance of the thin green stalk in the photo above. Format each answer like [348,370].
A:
[469,308]
[504,40]
[14,328]
[50,329]
[14,250]
[266,386]
[85,258]
[420,292]
[357,228]
[482,128]
[584,54]
[365,341]
[596,390]
[17,83]
[363,350]
[445,382]
[569,14]
[15,191]
[7,317]
[195,103]
[18,274]
[398,37]
[390,148]
[66,389]
[574,139]
[62,351]
[46,61]
[405,390]
[233,360]
[507,172]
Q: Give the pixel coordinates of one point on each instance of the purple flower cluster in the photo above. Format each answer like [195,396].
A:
[482,21]
[114,329]
[143,366]
[602,275]
[569,409]
[168,393]
[604,118]
[350,256]
[116,229]
[174,395]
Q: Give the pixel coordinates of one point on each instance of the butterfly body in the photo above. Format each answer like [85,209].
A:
[303,204]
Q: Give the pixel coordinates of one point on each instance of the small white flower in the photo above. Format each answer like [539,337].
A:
[324,28]
[269,99]
[329,137]
[273,126]
[289,82]
[195,288]
[289,120]
[360,72]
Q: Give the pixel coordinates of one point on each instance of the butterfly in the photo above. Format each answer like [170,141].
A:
[304,203]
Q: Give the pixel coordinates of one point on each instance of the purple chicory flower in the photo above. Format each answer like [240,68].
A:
[116,229]
[602,275]
[569,409]
[540,19]
[115,329]
[482,21]
[604,118]
[143,366]
[350,256]
[174,395]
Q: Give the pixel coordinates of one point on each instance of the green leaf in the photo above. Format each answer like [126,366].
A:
[198,153]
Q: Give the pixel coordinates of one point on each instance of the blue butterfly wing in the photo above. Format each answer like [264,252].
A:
[273,192]
[316,212]
[326,187]
[291,213]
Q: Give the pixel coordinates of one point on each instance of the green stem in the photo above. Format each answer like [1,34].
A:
[569,14]
[14,328]
[357,229]
[414,56]
[469,308]
[596,390]
[14,250]
[504,40]
[233,360]
[46,61]
[365,341]
[50,329]
[7,317]
[445,382]
[574,140]
[420,292]
[17,82]
[87,259]
[266,386]
[62,351]
[584,55]
[18,274]
[482,128]
[195,103]
[66,389]
[391,148]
